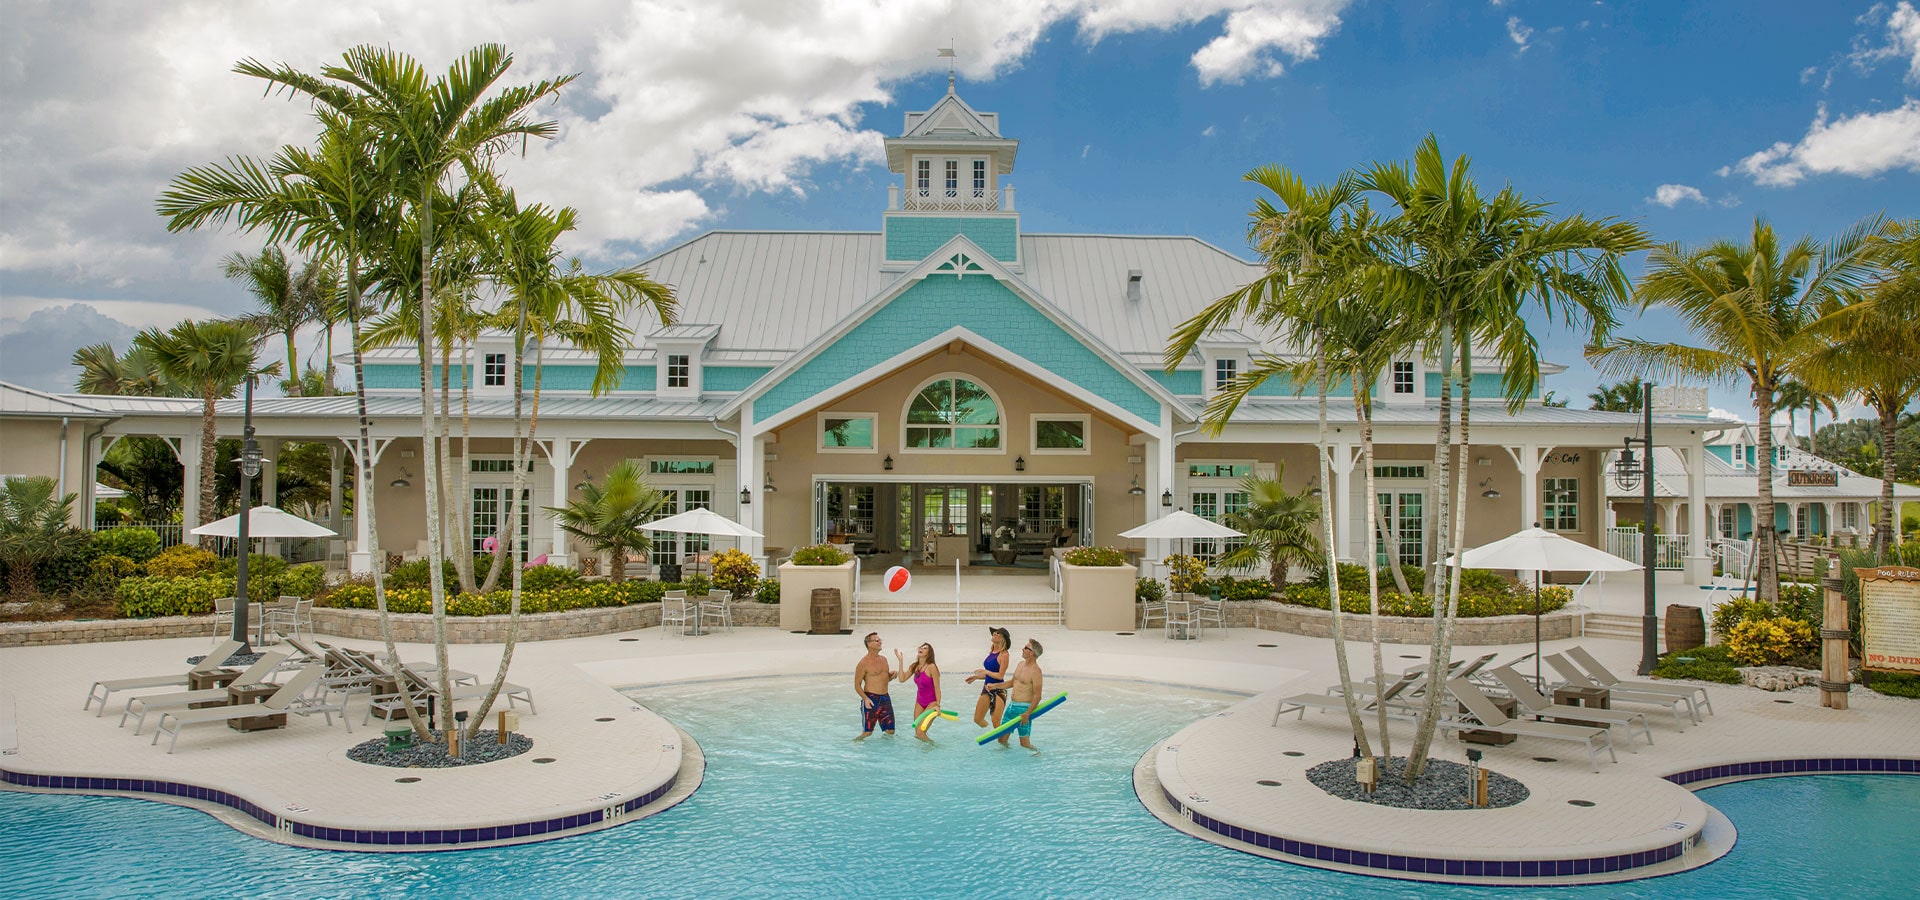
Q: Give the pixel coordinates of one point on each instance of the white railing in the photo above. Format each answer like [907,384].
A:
[1668,549]
[955,200]
[1680,399]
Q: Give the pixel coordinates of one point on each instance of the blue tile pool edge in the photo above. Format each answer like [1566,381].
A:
[346,839]
[1478,871]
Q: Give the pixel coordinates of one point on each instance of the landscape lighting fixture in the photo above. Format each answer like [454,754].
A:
[404,481]
[1489,493]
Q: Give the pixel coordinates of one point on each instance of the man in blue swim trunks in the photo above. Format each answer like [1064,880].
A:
[870,680]
[1023,692]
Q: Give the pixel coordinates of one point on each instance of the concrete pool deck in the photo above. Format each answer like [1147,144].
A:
[301,774]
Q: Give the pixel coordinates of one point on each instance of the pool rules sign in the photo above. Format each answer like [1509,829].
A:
[1890,618]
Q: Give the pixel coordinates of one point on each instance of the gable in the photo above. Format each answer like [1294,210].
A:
[939,304]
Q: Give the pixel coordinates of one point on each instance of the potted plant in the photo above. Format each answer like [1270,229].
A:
[818,566]
[1097,589]
[1005,546]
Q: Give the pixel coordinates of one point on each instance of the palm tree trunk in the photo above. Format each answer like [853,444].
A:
[1442,445]
[462,561]
[522,460]
[430,476]
[1884,536]
[1767,572]
[1362,409]
[209,437]
[463,524]
[1442,658]
[1360,741]
[293,365]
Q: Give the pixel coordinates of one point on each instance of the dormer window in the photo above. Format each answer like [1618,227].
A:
[1224,371]
[679,370]
[979,179]
[493,370]
[1403,377]
[1739,455]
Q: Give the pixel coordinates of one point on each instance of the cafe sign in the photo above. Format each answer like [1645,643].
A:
[1890,618]
[1811,478]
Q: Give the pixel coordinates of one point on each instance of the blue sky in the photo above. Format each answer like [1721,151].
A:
[1135,116]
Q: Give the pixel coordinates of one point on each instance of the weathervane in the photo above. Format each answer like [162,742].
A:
[947,53]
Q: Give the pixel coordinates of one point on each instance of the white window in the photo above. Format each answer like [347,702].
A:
[1561,510]
[1056,433]
[1850,516]
[1224,371]
[979,179]
[493,370]
[952,413]
[1739,455]
[679,370]
[1403,377]
[923,178]
[953,179]
[842,432]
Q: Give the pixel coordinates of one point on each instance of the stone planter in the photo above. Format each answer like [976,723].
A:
[1005,555]
[796,592]
[1097,598]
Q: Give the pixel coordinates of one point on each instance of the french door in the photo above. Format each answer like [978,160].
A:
[1405,512]
[673,546]
[1214,505]
[487,514]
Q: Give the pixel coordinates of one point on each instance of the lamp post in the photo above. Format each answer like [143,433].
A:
[1629,473]
[249,470]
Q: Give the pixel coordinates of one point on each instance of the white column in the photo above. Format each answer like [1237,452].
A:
[1346,514]
[360,561]
[1527,459]
[751,468]
[1826,511]
[1670,517]
[336,495]
[1157,478]
[188,451]
[269,487]
[1699,562]
[561,453]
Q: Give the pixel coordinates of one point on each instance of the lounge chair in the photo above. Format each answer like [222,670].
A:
[513,692]
[1488,717]
[278,702]
[1696,694]
[101,689]
[1573,676]
[1331,701]
[269,663]
[1537,705]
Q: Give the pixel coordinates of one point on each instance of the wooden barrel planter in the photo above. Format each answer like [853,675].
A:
[1686,627]
[825,609]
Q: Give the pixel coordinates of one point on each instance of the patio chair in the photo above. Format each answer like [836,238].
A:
[1486,716]
[514,693]
[105,687]
[278,702]
[717,607]
[1208,610]
[223,616]
[1396,708]
[1538,705]
[1696,694]
[291,616]
[258,672]
[1573,676]
[673,611]
[1180,615]
[1152,610]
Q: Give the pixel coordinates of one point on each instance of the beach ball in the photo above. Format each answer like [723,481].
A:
[897,579]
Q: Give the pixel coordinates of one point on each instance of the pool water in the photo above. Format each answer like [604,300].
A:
[792,807]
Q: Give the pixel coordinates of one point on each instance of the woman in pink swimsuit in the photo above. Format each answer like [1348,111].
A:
[926,683]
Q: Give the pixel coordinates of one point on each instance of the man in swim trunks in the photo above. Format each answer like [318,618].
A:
[870,679]
[1024,692]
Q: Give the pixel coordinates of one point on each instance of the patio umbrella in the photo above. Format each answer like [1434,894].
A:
[701,520]
[265,522]
[1541,550]
[1181,524]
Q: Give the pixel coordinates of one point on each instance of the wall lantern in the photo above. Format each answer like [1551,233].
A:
[1489,493]
[746,497]
[1136,490]
[1019,464]
[1166,498]
[403,481]
[887,463]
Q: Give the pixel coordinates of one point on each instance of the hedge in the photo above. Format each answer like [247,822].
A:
[1394,603]
[359,595]
[160,595]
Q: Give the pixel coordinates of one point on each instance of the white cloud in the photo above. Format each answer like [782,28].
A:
[1902,41]
[1207,133]
[1728,201]
[1086,150]
[136,314]
[1862,145]
[1672,195]
[1519,33]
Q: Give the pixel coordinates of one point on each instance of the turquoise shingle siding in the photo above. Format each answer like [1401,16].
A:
[1485,384]
[914,237]
[405,376]
[730,378]
[580,378]
[1183,383]
[1723,451]
[980,304]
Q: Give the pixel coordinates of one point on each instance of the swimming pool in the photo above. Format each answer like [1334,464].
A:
[791,807]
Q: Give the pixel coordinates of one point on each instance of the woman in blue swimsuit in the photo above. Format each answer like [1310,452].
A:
[993,694]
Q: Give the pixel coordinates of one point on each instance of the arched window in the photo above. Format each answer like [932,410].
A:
[952,413]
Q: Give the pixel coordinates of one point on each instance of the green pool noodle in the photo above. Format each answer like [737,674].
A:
[1013,722]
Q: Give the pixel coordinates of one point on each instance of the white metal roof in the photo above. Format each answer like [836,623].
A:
[19,400]
[1724,482]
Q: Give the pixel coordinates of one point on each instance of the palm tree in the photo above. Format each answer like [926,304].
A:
[1797,394]
[1752,308]
[1620,396]
[1473,265]
[213,358]
[34,529]
[102,371]
[608,516]
[289,300]
[1279,528]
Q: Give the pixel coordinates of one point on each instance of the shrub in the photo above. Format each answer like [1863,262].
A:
[1767,642]
[182,561]
[159,595]
[303,580]
[545,578]
[1739,609]
[112,567]
[259,565]
[819,555]
[1243,588]
[699,585]
[1149,590]
[1484,582]
[1803,602]
[735,572]
[1555,596]
[1185,575]
[418,574]
[359,595]
[1710,663]
[1895,684]
[137,544]
[768,591]
[1094,556]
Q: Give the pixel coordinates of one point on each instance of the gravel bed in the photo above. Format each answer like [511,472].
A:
[484,748]
[1442,786]
[238,659]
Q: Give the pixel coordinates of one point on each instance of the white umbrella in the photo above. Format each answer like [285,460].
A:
[1181,524]
[701,520]
[265,522]
[1538,549]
